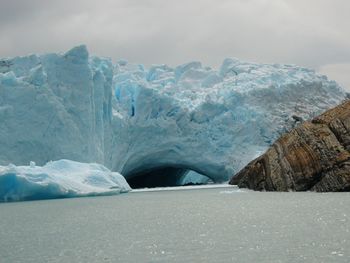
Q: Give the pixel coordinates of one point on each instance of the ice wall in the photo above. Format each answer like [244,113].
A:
[55,106]
[211,121]
[134,119]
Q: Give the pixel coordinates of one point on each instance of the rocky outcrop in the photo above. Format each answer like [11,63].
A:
[314,156]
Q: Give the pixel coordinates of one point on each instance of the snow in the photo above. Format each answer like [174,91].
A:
[58,179]
[133,118]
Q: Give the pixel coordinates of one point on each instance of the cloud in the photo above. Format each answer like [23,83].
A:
[311,33]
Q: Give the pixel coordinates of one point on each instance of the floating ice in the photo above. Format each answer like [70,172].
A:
[58,179]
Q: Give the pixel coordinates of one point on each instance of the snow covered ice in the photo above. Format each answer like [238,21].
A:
[58,179]
[135,119]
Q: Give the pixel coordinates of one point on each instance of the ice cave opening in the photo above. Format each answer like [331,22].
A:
[166,176]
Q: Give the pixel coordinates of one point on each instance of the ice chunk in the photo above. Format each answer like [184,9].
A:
[58,179]
[32,164]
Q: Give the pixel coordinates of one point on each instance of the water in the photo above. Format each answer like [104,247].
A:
[206,225]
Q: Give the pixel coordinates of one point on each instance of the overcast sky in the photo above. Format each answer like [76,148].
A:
[311,33]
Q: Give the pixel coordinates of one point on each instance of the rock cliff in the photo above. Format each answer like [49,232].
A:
[314,156]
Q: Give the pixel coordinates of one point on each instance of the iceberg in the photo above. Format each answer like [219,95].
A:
[58,179]
[159,120]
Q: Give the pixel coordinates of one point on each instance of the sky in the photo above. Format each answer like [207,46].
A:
[310,33]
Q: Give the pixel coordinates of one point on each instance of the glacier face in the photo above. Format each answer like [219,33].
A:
[58,179]
[136,120]
[55,106]
[210,121]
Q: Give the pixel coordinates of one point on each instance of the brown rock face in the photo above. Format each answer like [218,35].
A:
[314,156]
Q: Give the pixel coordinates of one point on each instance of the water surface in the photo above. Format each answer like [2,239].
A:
[197,225]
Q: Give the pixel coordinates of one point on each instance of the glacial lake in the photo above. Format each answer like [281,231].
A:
[222,224]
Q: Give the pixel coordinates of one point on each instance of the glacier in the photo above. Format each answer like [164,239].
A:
[152,123]
[58,179]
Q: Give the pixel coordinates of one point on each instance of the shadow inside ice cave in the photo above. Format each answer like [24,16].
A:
[166,176]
